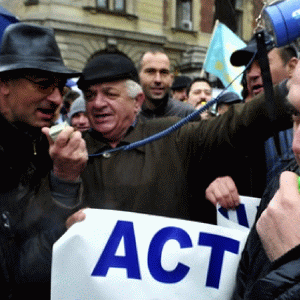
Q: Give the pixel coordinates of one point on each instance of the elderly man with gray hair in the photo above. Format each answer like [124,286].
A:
[159,177]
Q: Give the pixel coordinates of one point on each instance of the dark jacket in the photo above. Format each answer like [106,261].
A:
[30,219]
[249,170]
[257,277]
[166,177]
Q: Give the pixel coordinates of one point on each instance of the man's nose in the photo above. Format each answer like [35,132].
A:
[254,70]
[82,119]
[55,97]
[157,77]
[100,100]
[203,96]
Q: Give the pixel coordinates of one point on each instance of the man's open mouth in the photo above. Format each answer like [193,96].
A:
[257,89]
[47,112]
[101,116]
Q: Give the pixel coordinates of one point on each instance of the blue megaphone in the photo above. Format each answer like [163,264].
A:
[282,21]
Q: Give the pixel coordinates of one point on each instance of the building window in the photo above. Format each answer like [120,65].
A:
[239,17]
[230,13]
[124,8]
[184,14]
[102,3]
[112,5]
[239,4]
[120,5]
[31,2]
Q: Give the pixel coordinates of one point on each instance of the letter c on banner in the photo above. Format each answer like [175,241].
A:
[155,252]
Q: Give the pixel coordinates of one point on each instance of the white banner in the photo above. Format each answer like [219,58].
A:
[242,217]
[130,256]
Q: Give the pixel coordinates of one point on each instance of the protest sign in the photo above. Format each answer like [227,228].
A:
[123,255]
[242,217]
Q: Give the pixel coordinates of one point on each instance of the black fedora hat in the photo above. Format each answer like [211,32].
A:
[27,46]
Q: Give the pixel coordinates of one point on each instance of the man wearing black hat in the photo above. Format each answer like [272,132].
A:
[38,191]
[282,64]
[179,87]
[159,177]
[226,100]
[265,161]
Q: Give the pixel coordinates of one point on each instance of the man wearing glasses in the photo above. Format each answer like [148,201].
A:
[40,179]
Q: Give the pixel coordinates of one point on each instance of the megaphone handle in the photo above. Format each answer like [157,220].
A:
[263,61]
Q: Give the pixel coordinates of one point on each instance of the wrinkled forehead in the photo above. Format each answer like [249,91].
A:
[201,85]
[117,84]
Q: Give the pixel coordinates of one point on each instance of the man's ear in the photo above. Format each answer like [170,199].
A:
[139,100]
[4,99]
[4,87]
[291,66]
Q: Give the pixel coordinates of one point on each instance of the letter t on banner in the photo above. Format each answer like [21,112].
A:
[219,245]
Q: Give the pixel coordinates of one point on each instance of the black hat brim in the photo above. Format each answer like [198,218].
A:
[50,65]
[243,56]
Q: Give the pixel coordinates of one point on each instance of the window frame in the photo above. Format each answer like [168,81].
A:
[124,9]
[102,7]
[180,18]
[239,10]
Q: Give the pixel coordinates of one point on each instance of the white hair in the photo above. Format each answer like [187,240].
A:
[133,88]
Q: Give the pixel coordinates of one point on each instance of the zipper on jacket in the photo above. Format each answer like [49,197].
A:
[34,148]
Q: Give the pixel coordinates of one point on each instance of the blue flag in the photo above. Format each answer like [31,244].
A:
[217,62]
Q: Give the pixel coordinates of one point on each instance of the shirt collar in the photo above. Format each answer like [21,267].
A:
[97,144]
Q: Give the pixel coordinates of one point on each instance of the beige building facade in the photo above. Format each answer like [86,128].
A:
[181,27]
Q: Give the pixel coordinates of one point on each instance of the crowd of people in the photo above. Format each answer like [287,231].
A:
[212,159]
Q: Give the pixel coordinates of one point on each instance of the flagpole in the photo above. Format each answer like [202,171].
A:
[212,35]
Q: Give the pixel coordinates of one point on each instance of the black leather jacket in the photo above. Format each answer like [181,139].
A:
[30,220]
[258,278]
